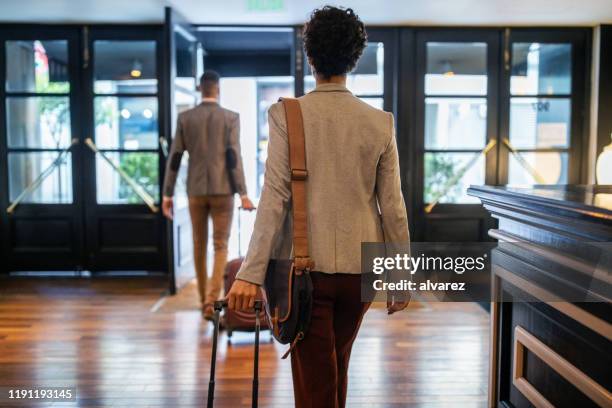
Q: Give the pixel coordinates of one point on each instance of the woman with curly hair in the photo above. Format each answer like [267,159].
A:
[353,196]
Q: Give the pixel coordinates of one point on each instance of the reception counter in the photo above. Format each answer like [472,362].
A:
[551,332]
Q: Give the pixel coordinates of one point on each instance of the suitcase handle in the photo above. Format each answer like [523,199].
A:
[218,305]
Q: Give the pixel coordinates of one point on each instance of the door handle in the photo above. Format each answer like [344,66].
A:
[524,163]
[163,144]
[41,177]
[137,188]
[460,173]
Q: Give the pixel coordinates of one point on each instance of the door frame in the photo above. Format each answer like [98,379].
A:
[150,258]
[580,39]
[15,260]
[178,273]
[83,171]
[447,211]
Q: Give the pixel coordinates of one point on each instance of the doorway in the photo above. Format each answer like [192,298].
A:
[258,65]
[79,136]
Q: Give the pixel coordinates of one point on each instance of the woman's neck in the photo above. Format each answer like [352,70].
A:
[335,79]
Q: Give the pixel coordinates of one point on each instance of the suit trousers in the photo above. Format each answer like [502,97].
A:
[221,209]
[320,361]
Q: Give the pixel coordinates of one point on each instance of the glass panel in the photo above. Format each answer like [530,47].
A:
[540,123]
[442,167]
[268,92]
[456,68]
[24,168]
[375,102]
[185,95]
[125,67]
[368,76]
[126,122]
[455,123]
[541,69]
[37,66]
[38,121]
[184,101]
[551,167]
[112,189]
[309,83]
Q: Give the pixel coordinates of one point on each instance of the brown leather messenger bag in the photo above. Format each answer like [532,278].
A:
[288,285]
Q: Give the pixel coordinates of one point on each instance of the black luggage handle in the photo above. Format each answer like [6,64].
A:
[218,305]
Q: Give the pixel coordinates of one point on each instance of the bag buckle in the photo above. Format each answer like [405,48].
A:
[299,174]
[302,263]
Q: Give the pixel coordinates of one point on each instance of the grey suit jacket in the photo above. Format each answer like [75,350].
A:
[354,190]
[205,132]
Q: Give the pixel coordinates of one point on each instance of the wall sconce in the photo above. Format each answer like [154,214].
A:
[604,165]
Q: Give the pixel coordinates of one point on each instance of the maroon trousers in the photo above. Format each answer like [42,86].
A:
[319,362]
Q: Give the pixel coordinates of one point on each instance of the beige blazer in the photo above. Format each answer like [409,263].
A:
[206,132]
[354,190]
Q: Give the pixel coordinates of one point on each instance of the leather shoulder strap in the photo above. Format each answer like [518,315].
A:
[299,177]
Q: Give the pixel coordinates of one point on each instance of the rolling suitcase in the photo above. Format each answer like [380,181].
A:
[238,320]
[211,383]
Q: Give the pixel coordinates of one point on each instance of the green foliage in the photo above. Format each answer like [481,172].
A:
[439,168]
[54,111]
[143,168]
[106,111]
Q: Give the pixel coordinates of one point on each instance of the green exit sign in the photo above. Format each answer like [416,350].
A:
[265,5]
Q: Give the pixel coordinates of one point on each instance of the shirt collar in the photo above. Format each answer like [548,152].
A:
[331,87]
[210,100]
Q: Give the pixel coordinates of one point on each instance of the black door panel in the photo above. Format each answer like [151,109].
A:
[77,211]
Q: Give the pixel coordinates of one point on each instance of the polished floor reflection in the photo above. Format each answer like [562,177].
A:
[120,346]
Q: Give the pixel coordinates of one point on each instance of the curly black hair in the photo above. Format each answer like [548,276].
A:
[334,39]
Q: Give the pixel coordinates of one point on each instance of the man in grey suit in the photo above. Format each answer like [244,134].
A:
[211,136]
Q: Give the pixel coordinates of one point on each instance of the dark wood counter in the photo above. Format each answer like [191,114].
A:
[551,332]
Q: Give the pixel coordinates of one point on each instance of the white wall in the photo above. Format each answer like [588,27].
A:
[240,95]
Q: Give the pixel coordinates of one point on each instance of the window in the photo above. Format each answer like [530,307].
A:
[455,92]
[126,119]
[38,123]
[269,90]
[540,113]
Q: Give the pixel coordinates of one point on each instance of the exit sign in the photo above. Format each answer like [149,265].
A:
[265,5]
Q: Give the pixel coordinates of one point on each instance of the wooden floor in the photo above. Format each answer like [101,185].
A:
[102,337]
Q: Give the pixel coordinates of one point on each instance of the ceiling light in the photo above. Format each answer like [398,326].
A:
[125,114]
[447,69]
[136,71]
[147,113]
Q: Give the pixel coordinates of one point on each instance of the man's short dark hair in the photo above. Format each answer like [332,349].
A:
[334,39]
[209,81]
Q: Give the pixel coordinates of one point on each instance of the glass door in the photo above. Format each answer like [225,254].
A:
[456,130]
[499,106]
[39,142]
[543,98]
[123,166]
